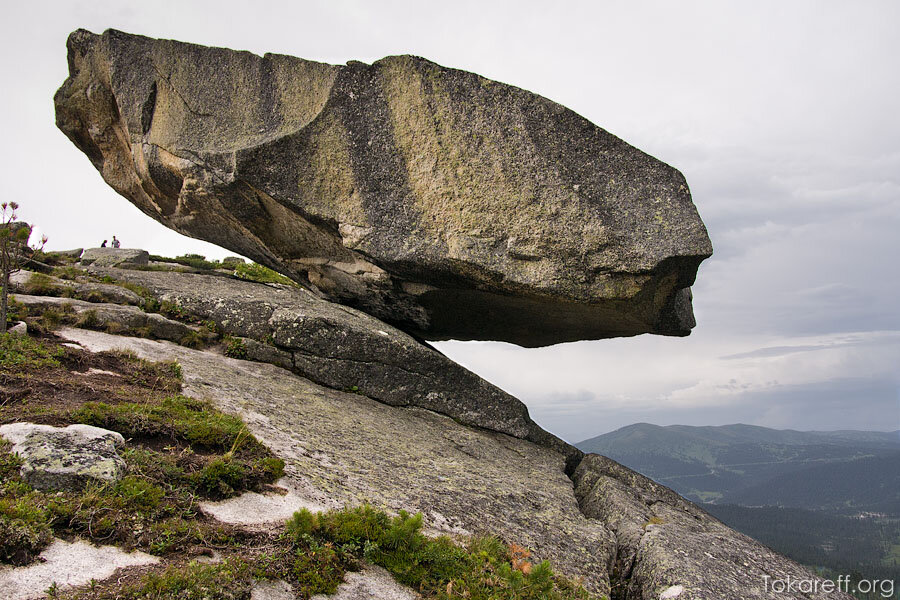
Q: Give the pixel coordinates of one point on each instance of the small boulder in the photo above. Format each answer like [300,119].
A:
[113,257]
[20,328]
[65,458]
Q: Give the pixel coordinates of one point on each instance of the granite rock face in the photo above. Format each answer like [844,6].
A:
[112,317]
[621,534]
[444,203]
[65,458]
[343,349]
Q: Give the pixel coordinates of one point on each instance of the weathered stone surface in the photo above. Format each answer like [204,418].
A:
[447,204]
[342,348]
[73,253]
[65,458]
[90,291]
[67,564]
[254,509]
[112,257]
[20,328]
[371,582]
[663,542]
[112,316]
[272,590]
[345,449]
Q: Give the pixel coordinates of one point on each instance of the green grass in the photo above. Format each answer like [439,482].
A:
[42,285]
[260,274]
[229,580]
[69,273]
[482,569]
[315,551]
[18,353]
[154,506]
[196,261]
[177,417]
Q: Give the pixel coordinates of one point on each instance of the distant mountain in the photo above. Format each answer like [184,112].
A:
[816,538]
[751,465]
[871,484]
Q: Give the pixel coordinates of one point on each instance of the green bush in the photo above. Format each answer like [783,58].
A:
[221,478]
[235,347]
[196,261]
[260,274]
[485,569]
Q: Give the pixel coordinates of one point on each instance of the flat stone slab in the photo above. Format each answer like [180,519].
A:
[68,564]
[371,582]
[341,348]
[105,315]
[65,458]
[111,257]
[83,290]
[272,590]
[251,508]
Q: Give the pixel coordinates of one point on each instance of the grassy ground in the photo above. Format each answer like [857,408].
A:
[180,451]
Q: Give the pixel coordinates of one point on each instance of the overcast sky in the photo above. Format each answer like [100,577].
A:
[782,115]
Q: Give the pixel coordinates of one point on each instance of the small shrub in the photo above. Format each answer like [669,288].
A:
[16,311]
[174,311]
[139,493]
[114,327]
[235,347]
[68,273]
[232,262]
[221,478]
[196,261]
[150,305]
[88,320]
[303,523]
[192,339]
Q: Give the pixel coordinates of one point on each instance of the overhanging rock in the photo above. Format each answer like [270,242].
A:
[434,199]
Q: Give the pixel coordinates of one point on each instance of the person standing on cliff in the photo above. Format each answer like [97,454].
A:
[116,243]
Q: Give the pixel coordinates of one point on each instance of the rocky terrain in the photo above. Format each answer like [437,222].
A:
[345,442]
[404,202]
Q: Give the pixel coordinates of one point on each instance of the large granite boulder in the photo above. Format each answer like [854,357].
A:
[439,201]
[65,458]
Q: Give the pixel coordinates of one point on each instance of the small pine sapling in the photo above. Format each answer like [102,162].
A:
[14,252]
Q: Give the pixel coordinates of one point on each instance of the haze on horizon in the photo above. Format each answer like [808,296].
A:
[781,116]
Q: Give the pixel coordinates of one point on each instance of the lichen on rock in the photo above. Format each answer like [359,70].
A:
[65,458]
